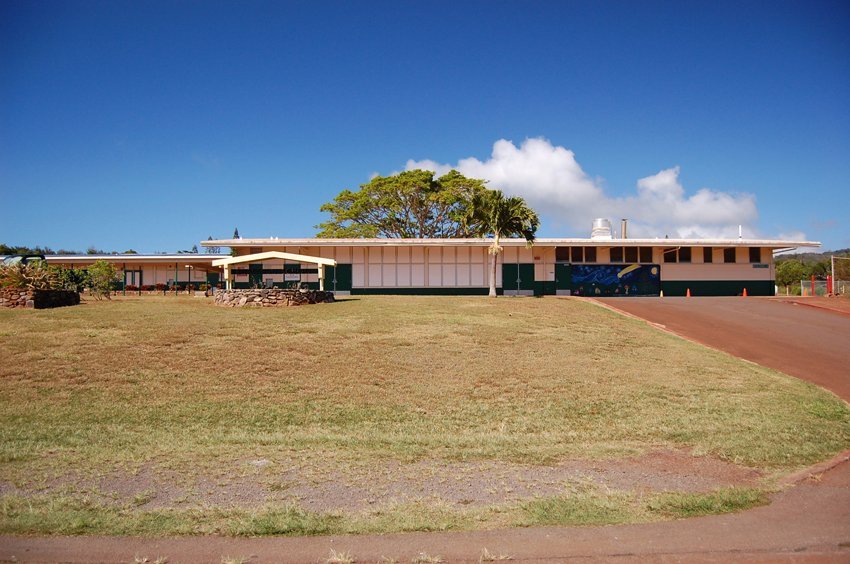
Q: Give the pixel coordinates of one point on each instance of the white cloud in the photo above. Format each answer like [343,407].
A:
[552,181]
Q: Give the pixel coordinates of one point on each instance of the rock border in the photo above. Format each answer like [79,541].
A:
[271,297]
[37,299]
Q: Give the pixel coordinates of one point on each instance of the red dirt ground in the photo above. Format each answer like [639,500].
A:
[811,343]
[809,522]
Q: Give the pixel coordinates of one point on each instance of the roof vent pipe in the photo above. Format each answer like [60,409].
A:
[623,228]
[601,229]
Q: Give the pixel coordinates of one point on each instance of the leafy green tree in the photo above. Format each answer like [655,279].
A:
[21,250]
[492,214]
[409,204]
[790,271]
[101,277]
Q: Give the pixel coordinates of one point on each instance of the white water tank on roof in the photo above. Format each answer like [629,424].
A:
[601,229]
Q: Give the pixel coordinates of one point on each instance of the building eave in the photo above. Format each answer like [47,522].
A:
[482,242]
[184,258]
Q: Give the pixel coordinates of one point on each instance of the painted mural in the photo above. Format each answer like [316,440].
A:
[616,280]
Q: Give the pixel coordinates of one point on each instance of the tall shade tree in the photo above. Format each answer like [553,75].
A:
[409,204]
[492,214]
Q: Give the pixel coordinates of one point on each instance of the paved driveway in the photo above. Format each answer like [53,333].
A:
[811,343]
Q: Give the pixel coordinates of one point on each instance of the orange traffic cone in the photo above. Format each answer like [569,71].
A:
[745,292]
[688,293]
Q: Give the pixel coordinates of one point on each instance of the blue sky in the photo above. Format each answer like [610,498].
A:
[152,125]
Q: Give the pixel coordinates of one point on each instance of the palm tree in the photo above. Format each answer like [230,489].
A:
[493,214]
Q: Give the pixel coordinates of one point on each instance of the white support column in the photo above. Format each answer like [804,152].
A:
[321,277]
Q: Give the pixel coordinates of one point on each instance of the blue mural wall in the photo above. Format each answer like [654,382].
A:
[616,280]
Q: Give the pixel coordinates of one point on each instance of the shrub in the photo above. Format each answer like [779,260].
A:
[35,275]
[101,279]
[131,288]
[160,287]
[71,278]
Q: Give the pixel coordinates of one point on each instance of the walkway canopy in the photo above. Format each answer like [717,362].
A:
[321,262]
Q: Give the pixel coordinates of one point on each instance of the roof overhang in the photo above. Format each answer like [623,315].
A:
[484,242]
[257,257]
[184,258]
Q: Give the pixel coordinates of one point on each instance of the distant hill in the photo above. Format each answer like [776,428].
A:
[813,258]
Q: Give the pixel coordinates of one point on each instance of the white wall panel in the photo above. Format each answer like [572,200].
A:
[463,275]
[389,275]
[477,275]
[603,255]
[449,278]
[374,275]
[435,275]
[403,255]
[358,275]
[685,271]
[417,275]
[403,275]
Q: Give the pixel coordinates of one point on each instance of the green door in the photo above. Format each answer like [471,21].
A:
[518,277]
[563,277]
[213,279]
[338,278]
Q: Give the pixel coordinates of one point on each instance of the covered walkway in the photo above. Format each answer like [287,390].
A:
[255,258]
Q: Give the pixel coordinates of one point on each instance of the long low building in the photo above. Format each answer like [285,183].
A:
[601,265]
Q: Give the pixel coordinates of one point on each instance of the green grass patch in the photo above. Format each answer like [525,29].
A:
[726,500]
[578,509]
[175,383]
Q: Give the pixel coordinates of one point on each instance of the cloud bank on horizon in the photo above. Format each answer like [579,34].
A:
[552,182]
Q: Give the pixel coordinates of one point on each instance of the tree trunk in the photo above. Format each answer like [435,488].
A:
[494,254]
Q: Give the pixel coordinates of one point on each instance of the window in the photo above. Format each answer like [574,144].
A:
[631,254]
[590,254]
[616,254]
[685,254]
[646,254]
[729,255]
[562,254]
[578,254]
[670,255]
[755,254]
[707,254]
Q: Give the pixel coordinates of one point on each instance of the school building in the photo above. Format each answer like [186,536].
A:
[601,265]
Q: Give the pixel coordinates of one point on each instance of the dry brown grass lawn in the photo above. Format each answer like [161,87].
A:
[176,384]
